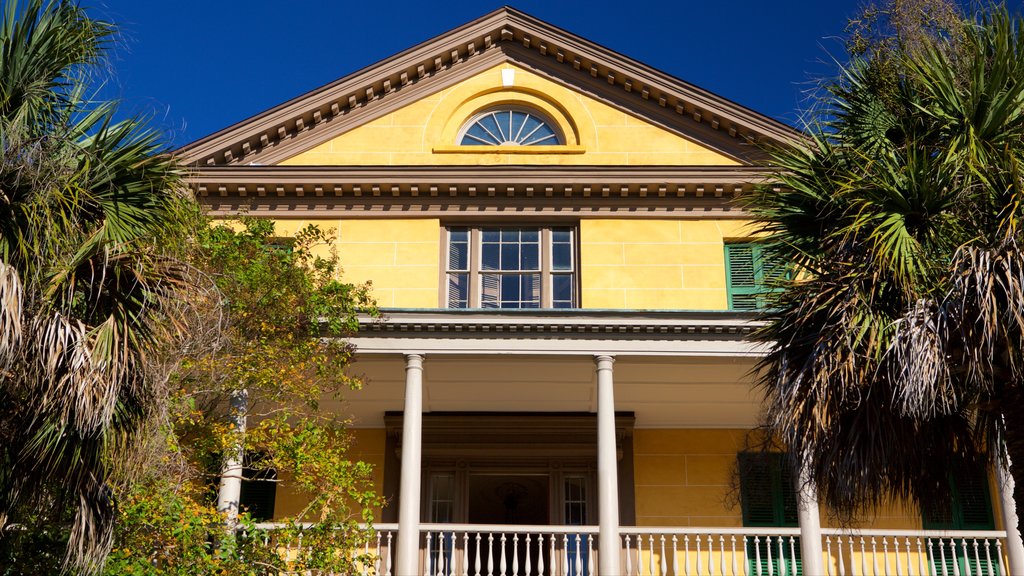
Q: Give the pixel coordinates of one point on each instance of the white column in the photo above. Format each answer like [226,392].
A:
[408,552]
[230,491]
[1014,547]
[810,523]
[607,471]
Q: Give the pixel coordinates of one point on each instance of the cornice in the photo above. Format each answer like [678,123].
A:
[611,324]
[303,121]
[303,191]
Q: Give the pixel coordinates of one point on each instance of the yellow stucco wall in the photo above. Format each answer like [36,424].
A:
[400,257]
[425,132]
[656,264]
[367,446]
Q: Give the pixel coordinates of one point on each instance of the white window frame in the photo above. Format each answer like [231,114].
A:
[546,259]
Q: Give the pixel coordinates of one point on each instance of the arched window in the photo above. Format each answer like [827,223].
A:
[510,126]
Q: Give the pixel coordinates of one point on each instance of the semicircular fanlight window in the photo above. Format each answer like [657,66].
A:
[509,127]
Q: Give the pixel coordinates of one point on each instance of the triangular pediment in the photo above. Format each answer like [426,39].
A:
[718,130]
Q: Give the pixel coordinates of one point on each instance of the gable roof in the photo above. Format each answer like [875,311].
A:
[503,35]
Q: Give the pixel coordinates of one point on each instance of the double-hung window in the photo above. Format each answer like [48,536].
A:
[511,267]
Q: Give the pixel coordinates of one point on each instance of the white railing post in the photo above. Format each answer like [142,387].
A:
[810,523]
[407,555]
[607,471]
[230,492]
[1014,546]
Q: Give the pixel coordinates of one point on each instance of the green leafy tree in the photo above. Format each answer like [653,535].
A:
[269,318]
[896,352]
[84,200]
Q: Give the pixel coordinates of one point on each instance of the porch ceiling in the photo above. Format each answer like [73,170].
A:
[662,391]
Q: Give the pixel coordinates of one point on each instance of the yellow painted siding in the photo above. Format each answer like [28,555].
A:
[655,264]
[685,477]
[425,132]
[367,446]
[401,258]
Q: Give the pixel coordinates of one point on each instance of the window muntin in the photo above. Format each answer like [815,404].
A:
[510,126]
[511,267]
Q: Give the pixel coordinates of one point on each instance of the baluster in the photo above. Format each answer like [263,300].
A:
[686,554]
[781,557]
[757,555]
[896,547]
[387,560]
[590,555]
[988,558]
[629,564]
[565,554]
[942,556]
[426,562]
[698,564]
[465,554]
[721,549]
[735,560]
[999,556]
[792,556]
[828,554]
[711,555]
[552,558]
[977,557]
[477,564]
[639,555]
[515,554]
[376,559]
[853,563]
[490,554]
[863,558]
[528,568]
[910,565]
[364,564]
[842,563]
[675,555]
[664,559]
[874,556]
[650,554]
[579,555]
[440,553]
[501,566]
[952,557]
[967,557]
[540,554]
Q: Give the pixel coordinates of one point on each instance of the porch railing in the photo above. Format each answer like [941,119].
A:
[505,550]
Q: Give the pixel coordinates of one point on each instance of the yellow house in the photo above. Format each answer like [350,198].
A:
[562,382]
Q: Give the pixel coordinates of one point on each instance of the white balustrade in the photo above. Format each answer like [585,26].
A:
[501,550]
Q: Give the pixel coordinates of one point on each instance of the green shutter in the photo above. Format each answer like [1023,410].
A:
[741,276]
[970,508]
[768,499]
[751,271]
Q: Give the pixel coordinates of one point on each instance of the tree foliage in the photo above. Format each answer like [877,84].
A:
[84,201]
[271,320]
[896,355]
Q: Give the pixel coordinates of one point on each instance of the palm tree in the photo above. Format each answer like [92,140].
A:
[896,348]
[83,201]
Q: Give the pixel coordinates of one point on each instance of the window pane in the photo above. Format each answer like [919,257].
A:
[458,256]
[530,257]
[490,290]
[531,236]
[530,289]
[491,235]
[458,290]
[561,257]
[510,257]
[510,235]
[561,235]
[509,290]
[491,257]
[562,288]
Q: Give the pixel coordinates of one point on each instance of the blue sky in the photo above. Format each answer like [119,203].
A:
[199,66]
